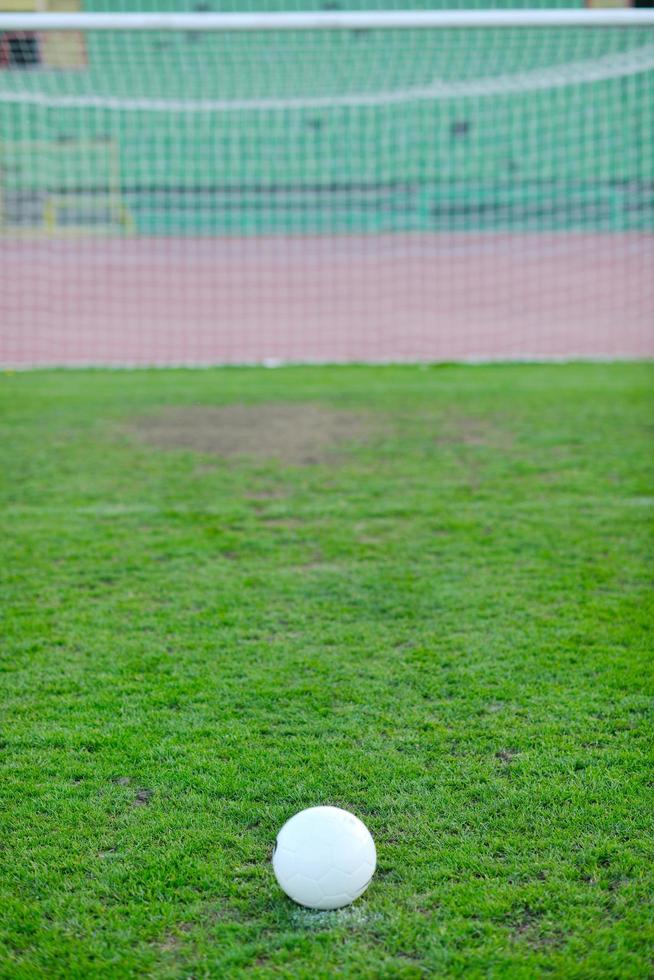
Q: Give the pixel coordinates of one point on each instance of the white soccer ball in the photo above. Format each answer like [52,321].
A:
[324,857]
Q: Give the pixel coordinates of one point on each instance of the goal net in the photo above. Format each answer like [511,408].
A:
[199,189]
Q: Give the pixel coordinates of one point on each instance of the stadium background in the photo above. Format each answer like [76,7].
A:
[519,161]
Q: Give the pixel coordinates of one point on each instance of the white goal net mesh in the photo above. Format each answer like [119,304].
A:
[183,196]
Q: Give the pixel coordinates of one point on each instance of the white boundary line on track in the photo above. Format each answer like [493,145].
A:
[273,363]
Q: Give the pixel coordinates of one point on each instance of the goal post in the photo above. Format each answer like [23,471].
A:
[344,20]
[328,186]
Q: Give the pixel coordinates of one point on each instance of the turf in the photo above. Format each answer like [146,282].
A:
[446,629]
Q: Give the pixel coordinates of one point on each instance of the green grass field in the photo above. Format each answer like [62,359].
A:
[442,623]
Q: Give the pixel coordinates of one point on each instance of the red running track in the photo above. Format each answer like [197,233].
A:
[160,301]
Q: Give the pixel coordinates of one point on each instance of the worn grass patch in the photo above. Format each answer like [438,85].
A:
[299,434]
[430,604]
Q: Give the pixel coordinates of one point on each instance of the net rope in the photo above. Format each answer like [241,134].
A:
[604,68]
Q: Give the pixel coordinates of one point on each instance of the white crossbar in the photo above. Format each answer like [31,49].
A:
[344,20]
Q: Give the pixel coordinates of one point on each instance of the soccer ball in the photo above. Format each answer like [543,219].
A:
[324,857]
